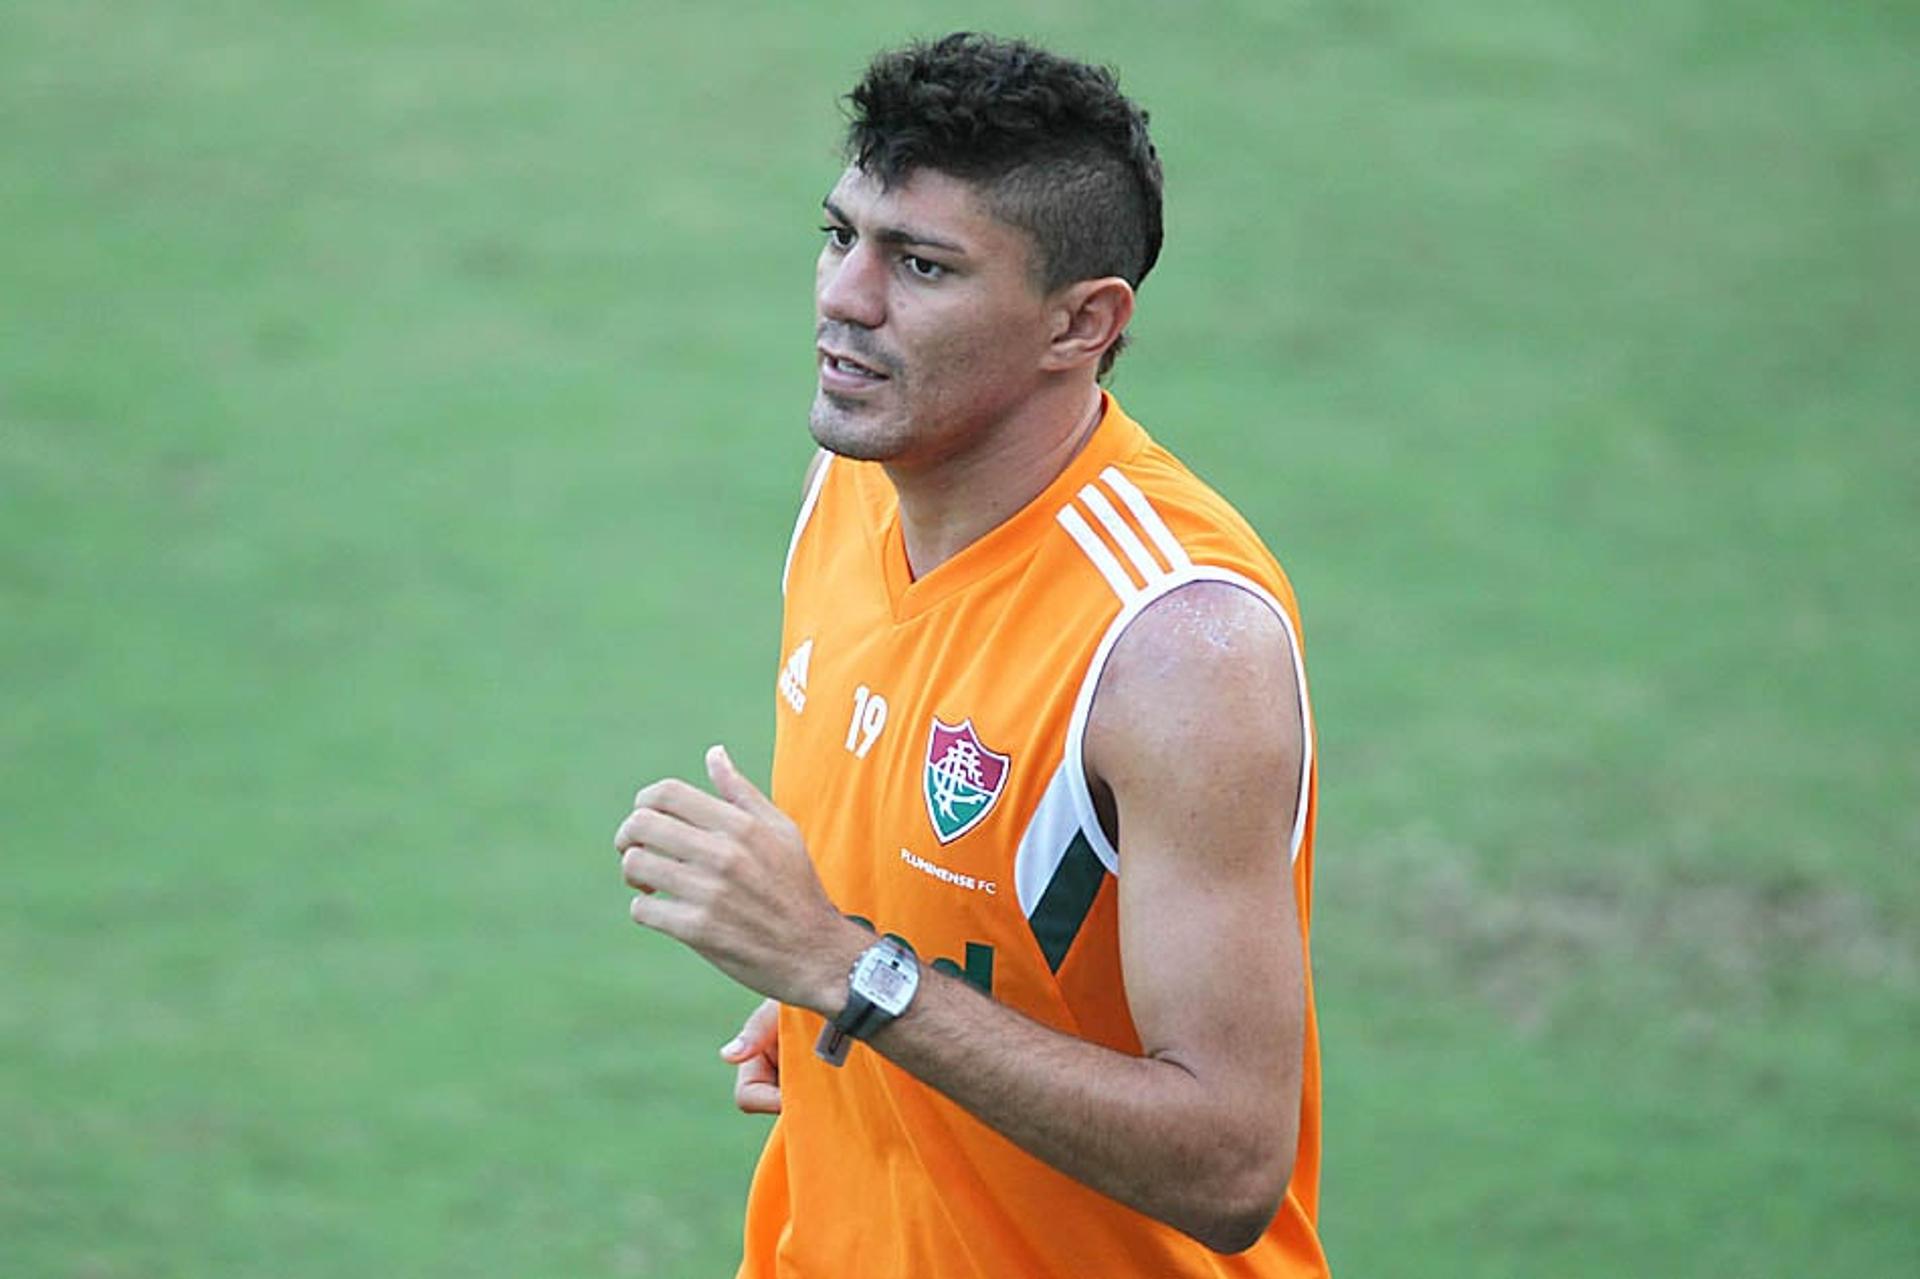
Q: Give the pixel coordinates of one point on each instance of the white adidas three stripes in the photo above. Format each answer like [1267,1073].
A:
[1069,801]
[1151,571]
[1157,577]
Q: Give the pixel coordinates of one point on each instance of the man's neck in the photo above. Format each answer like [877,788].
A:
[946,507]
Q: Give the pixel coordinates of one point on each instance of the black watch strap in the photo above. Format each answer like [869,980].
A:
[862,1014]
[837,1036]
[855,1017]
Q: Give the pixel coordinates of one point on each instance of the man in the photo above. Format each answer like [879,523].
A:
[1042,723]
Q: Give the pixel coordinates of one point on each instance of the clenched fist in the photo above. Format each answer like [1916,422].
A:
[728,875]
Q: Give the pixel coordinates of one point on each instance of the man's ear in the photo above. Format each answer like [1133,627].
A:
[1087,317]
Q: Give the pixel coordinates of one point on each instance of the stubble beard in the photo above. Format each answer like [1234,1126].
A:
[848,428]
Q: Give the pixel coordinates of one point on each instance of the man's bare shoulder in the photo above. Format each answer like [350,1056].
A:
[1201,695]
[1207,639]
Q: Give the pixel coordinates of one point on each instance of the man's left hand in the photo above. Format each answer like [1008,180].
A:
[728,874]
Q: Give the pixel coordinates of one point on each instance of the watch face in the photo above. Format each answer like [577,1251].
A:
[888,979]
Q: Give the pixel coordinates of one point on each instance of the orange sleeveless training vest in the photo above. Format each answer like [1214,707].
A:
[928,744]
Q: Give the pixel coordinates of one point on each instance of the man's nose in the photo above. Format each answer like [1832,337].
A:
[852,287]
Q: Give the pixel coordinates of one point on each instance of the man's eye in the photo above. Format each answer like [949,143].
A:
[925,268]
[839,237]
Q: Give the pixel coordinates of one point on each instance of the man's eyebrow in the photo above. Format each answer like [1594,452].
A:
[895,235]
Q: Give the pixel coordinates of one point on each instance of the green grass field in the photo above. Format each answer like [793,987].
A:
[401,418]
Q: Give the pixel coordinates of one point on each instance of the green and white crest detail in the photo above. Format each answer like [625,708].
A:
[963,778]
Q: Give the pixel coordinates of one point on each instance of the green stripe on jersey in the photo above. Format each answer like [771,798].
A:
[1063,908]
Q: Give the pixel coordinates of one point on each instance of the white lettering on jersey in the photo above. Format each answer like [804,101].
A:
[972,884]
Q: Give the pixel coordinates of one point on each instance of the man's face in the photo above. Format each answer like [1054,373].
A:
[928,325]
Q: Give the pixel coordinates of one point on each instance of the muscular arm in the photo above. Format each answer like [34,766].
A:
[1196,735]
[1195,745]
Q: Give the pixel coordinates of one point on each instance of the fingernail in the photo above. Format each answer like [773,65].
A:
[733,1045]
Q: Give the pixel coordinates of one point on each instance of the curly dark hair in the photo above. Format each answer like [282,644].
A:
[1053,145]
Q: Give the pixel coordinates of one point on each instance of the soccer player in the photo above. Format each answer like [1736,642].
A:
[1028,902]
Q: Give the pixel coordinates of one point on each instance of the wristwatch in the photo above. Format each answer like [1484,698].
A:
[879,989]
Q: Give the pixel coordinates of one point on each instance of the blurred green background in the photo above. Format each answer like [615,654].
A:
[401,419]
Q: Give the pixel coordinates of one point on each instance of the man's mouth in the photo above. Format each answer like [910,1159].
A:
[847,371]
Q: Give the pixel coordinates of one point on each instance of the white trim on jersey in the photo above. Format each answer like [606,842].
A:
[1075,762]
[1043,846]
[1122,533]
[1076,524]
[806,513]
[1149,518]
[1135,599]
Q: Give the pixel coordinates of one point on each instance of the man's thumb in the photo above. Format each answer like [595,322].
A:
[732,784]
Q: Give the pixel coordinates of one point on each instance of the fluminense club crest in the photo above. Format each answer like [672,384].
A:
[963,780]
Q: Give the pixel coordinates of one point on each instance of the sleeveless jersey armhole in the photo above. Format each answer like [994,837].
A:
[806,513]
[1073,767]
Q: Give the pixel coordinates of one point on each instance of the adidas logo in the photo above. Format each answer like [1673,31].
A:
[793,676]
